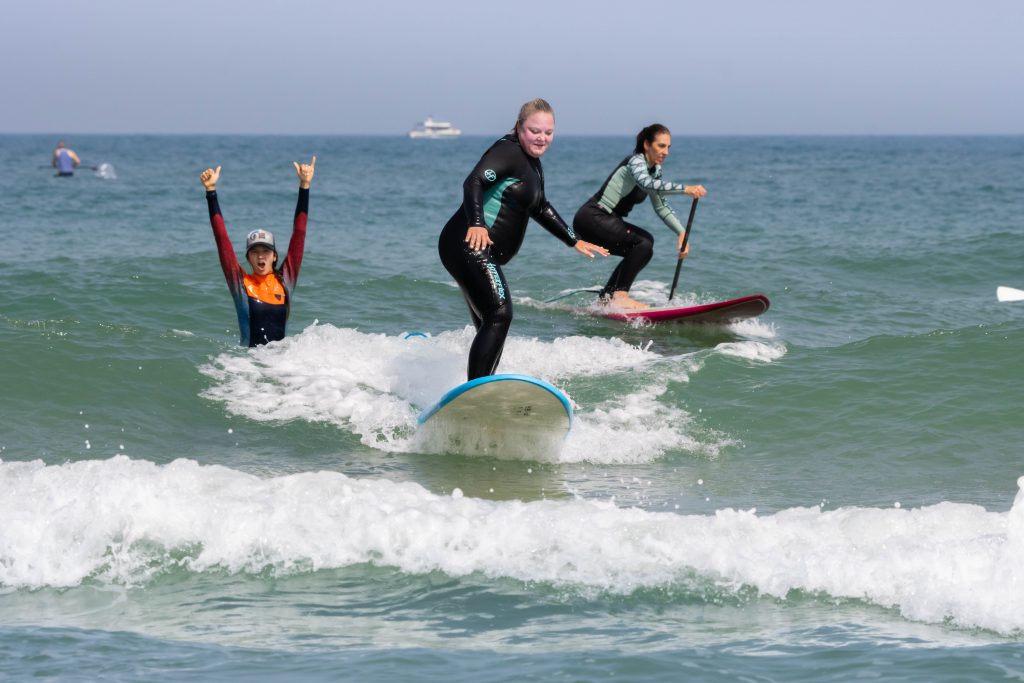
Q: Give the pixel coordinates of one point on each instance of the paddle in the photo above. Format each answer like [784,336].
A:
[686,238]
[103,170]
[1009,294]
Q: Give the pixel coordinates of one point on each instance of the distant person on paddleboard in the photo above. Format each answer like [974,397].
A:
[500,195]
[64,160]
[263,298]
[600,219]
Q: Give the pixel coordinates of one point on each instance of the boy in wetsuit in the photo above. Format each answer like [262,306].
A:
[263,297]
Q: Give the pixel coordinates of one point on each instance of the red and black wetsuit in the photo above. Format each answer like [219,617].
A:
[262,302]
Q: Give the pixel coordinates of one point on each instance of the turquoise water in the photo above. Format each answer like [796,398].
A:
[825,493]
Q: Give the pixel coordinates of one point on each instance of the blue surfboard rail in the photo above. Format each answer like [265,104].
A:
[466,386]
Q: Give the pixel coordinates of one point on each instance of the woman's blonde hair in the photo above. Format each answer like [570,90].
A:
[530,108]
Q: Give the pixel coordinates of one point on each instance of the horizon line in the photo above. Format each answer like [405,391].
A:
[487,135]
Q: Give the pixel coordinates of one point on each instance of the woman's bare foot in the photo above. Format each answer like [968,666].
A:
[623,300]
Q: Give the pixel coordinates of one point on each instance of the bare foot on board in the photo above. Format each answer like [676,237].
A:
[623,300]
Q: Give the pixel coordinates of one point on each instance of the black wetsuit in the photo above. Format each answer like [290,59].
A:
[503,192]
[600,219]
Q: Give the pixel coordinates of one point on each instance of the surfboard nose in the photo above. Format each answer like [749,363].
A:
[504,416]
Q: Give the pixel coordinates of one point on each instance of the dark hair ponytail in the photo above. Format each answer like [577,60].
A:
[647,135]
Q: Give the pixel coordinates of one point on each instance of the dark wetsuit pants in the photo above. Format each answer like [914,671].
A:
[634,244]
[487,295]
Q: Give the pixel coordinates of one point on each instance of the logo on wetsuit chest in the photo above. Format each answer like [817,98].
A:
[490,175]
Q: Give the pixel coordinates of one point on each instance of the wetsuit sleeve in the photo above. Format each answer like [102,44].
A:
[297,243]
[666,214]
[655,187]
[228,261]
[233,273]
[651,183]
[498,164]
[553,223]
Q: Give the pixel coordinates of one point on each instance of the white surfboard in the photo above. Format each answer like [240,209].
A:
[501,416]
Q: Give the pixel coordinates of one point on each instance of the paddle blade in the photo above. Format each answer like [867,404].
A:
[1009,294]
[105,171]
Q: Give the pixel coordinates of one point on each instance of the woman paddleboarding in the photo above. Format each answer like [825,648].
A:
[601,218]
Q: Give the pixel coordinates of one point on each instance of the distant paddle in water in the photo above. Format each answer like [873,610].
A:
[105,171]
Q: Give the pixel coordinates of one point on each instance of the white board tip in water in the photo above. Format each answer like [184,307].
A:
[1009,294]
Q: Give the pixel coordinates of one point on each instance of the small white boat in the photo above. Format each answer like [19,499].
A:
[430,128]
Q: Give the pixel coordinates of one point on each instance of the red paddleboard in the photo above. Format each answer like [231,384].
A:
[718,312]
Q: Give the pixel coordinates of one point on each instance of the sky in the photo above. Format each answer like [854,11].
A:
[718,67]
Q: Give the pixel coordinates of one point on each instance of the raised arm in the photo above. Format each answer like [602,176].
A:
[226,253]
[297,243]
[209,179]
[305,173]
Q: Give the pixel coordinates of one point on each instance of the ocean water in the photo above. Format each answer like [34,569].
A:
[828,492]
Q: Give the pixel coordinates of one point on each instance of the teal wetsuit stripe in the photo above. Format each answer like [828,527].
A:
[492,199]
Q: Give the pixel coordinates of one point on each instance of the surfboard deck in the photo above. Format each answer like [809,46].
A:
[503,416]
[719,312]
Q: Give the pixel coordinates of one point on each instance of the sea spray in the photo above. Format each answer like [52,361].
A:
[123,521]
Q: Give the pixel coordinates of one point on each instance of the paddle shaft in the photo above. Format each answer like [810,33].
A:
[80,166]
[686,239]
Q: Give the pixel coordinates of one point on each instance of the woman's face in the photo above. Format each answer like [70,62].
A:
[657,149]
[261,259]
[536,132]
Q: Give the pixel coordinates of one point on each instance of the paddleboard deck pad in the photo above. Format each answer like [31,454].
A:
[503,416]
[718,312]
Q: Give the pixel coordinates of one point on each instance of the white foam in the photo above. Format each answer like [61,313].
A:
[122,521]
[635,428]
[567,357]
[376,385]
[755,328]
[327,374]
[106,171]
[655,292]
[752,350]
